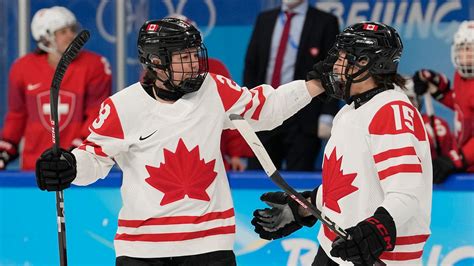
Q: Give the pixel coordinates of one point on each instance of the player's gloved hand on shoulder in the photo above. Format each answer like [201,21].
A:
[369,239]
[55,172]
[283,218]
[316,72]
[428,80]
[444,166]
[8,153]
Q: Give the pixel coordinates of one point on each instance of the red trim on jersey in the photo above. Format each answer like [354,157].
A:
[180,236]
[108,122]
[398,117]
[229,91]
[394,153]
[249,104]
[410,240]
[178,219]
[401,255]
[401,168]
[329,233]
[97,148]
[261,102]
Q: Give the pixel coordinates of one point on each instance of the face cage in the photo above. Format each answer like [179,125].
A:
[47,43]
[463,59]
[339,80]
[188,73]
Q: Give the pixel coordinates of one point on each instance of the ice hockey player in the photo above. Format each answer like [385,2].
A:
[85,85]
[376,177]
[459,98]
[177,206]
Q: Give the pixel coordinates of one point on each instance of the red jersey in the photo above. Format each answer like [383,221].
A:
[85,85]
[461,100]
[444,138]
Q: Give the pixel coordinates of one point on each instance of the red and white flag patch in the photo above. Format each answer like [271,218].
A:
[370,27]
[152,27]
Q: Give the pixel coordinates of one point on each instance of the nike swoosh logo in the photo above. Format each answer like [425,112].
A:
[31,87]
[144,138]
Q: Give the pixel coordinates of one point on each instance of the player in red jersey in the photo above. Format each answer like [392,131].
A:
[85,85]
[460,98]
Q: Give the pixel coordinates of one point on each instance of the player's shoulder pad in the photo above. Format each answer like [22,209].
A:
[228,90]
[397,117]
[107,123]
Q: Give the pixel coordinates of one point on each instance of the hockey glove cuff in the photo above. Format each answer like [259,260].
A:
[8,153]
[369,239]
[55,173]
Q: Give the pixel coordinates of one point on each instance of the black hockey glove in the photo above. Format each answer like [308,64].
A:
[317,72]
[444,166]
[8,153]
[283,218]
[437,83]
[369,239]
[55,173]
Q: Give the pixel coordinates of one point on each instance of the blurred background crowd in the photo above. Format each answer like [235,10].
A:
[252,42]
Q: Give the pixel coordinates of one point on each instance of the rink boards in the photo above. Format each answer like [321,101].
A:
[28,230]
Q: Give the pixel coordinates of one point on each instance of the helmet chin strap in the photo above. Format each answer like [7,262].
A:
[51,49]
[352,79]
[171,94]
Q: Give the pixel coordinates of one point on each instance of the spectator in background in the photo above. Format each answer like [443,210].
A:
[233,146]
[285,44]
[460,98]
[85,85]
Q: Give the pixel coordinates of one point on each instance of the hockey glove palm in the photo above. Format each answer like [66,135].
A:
[282,219]
[428,80]
[55,173]
[369,239]
[8,153]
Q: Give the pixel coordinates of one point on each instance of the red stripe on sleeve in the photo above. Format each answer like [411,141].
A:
[97,148]
[394,153]
[261,100]
[401,168]
[249,104]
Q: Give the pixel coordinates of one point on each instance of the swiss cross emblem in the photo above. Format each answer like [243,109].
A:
[66,105]
[152,27]
[370,27]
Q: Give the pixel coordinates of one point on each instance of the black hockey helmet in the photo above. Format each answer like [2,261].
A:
[161,39]
[371,47]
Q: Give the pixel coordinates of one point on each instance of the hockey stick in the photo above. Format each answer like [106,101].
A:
[430,112]
[68,55]
[262,155]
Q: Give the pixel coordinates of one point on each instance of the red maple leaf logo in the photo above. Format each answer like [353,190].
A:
[336,185]
[182,173]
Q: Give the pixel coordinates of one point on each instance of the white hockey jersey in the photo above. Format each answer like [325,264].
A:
[175,192]
[379,155]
